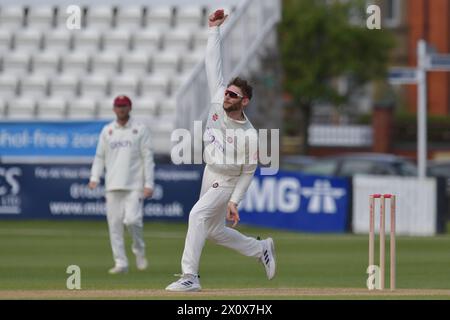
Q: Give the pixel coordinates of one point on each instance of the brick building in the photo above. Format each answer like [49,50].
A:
[409,21]
[430,20]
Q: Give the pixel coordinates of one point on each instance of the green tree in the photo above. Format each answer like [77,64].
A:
[319,43]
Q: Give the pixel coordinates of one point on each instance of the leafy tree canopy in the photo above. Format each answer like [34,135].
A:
[319,42]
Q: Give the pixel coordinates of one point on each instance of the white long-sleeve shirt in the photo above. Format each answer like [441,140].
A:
[126,154]
[219,145]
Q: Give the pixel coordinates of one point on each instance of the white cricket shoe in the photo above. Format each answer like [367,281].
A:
[141,262]
[187,282]
[268,257]
[117,270]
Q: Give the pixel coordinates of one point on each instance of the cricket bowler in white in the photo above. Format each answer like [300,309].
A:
[224,184]
[124,150]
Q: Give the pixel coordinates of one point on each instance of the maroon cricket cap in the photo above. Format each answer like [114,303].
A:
[122,101]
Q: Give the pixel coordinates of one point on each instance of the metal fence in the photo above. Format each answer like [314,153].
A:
[332,135]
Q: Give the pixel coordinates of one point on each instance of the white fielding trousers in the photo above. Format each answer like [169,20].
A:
[207,220]
[125,208]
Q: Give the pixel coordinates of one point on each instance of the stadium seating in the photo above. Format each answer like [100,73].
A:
[22,108]
[45,63]
[8,85]
[3,107]
[88,40]
[12,17]
[155,85]
[41,17]
[177,81]
[144,106]
[159,18]
[199,39]
[64,85]
[34,86]
[177,40]
[105,63]
[162,127]
[57,40]
[135,63]
[51,108]
[82,108]
[168,63]
[116,40]
[124,84]
[16,62]
[191,59]
[105,107]
[94,86]
[99,17]
[48,71]
[5,40]
[65,12]
[168,108]
[75,63]
[190,17]
[130,17]
[146,40]
[28,40]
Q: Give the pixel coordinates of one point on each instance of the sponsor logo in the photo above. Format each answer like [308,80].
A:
[120,144]
[322,197]
[10,202]
[285,195]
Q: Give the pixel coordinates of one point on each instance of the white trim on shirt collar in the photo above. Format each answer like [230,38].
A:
[238,121]
[127,125]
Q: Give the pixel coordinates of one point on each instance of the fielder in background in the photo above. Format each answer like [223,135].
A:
[124,150]
[224,184]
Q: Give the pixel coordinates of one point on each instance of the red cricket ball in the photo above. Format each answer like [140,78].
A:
[218,14]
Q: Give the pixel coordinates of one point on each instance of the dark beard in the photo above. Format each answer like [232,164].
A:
[124,118]
[233,107]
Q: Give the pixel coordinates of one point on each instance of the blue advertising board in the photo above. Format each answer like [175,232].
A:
[297,202]
[59,191]
[287,200]
[49,139]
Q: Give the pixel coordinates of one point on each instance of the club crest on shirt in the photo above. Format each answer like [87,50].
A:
[135,131]
[230,139]
[215,117]
[215,185]
[110,132]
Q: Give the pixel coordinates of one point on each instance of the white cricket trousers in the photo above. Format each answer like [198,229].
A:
[207,220]
[125,208]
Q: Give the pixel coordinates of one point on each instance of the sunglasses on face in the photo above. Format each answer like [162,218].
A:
[233,94]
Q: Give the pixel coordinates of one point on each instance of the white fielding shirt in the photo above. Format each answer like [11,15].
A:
[218,145]
[126,154]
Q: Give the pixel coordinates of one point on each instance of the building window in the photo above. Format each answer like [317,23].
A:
[392,13]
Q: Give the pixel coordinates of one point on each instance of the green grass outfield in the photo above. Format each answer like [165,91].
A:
[34,256]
